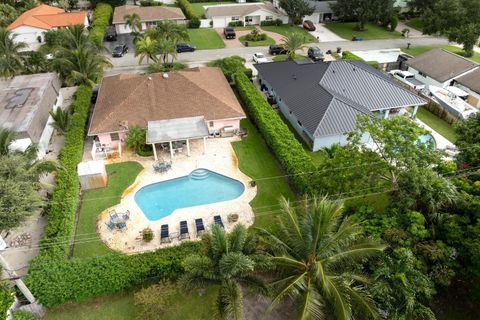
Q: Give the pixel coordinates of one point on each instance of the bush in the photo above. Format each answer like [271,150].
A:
[147,235]
[102,16]
[289,152]
[113,3]
[145,150]
[276,22]
[235,24]
[256,35]
[152,301]
[6,299]
[57,281]
[64,202]
[150,3]
[160,67]
[393,23]
[231,65]
[23,315]
[187,9]
[194,23]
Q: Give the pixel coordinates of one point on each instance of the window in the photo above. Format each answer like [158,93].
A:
[248,19]
[114,136]
[269,18]
[211,124]
[422,74]
[235,18]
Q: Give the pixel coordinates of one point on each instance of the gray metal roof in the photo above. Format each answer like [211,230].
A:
[322,6]
[176,129]
[326,97]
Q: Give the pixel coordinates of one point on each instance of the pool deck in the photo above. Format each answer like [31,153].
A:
[219,157]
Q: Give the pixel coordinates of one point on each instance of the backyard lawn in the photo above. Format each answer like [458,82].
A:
[415,23]
[347,31]
[120,176]
[205,39]
[200,10]
[437,124]
[286,29]
[415,51]
[256,161]
[266,42]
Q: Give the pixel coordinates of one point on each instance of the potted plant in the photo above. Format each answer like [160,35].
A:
[147,234]
[232,217]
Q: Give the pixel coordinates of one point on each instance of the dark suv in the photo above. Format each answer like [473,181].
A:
[185,47]
[111,34]
[275,49]
[119,50]
[315,53]
[229,33]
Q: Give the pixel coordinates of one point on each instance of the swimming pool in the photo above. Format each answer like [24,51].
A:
[200,187]
[426,138]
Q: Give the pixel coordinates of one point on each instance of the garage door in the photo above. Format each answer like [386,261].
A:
[219,22]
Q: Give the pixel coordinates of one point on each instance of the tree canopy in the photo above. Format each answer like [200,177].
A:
[296,9]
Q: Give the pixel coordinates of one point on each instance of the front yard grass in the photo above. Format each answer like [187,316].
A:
[437,124]
[120,177]
[263,43]
[415,23]
[347,31]
[256,161]
[286,29]
[199,9]
[205,39]
[415,51]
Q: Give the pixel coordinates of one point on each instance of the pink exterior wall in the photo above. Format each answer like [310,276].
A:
[106,140]
[220,124]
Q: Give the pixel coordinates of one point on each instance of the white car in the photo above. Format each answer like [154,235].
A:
[259,58]
[408,78]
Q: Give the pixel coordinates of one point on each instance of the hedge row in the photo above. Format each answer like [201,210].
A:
[64,201]
[101,20]
[289,152]
[189,13]
[6,299]
[58,281]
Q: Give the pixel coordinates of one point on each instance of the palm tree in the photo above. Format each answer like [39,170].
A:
[292,43]
[7,136]
[228,260]
[133,21]
[11,61]
[136,138]
[316,252]
[169,30]
[167,47]
[146,48]
[61,119]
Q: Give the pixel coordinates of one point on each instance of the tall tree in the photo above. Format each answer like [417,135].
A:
[296,10]
[292,43]
[227,260]
[468,140]
[11,61]
[167,48]
[133,21]
[360,11]
[169,30]
[146,48]
[317,253]
[136,138]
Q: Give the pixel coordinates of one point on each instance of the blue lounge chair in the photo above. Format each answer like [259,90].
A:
[200,226]
[126,215]
[218,220]
[184,234]
[110,225]
[113,214]
[164,235]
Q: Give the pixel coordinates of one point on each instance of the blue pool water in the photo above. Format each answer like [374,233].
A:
[425,138]
[200,187]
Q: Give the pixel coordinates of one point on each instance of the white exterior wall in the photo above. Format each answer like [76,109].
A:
[28,34]
[471,93]
[258,17]
[315,17]
[122,28]
[427,80]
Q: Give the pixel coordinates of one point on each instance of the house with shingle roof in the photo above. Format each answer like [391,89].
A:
[32,24]
[248,13]
[470,83]
[149,16]
[323,100]
[176,106]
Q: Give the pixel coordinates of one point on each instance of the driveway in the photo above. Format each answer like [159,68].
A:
[121,38]
[231,43]
[325,35]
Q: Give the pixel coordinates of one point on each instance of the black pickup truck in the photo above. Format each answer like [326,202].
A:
[229,33]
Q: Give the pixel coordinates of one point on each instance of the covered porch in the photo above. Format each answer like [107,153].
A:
[174,134]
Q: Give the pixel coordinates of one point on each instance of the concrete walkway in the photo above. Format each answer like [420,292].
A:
[325,35]
[414,33]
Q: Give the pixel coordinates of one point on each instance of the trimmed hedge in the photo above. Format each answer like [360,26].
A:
[287,149]
[54,282]
[6,299]
[236,24]
[64,201]
[187,10]
[276,22]
[101,20]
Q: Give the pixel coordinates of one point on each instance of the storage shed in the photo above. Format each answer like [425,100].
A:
[92,174]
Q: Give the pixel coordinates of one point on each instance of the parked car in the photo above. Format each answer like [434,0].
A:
[229,33]
[408,78]
[316,54]
[308,25]
[275,49]
[119,50]
[259,58]
[185,47]
[111,34]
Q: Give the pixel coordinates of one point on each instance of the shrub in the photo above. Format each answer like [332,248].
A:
[147,235]
[289,152]
[113,3]
[57,281]
[154,300]
[6,299]
[194,23]
[150,3]
[236,24]
[393,23]
[63,204]
[256,35]
[23,315]
[145,150]
[187,9]
[230,65]
[102,16]
[160,67]
[276,22]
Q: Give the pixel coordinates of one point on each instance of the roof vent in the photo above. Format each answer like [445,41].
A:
[294,77]
[333,71]
[165,76]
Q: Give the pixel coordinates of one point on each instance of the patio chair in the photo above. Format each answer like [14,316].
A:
[113,214]
[110,225]
[126,215]
[200,227]
[164,235]
[184,234]
[218,220]
[121,225]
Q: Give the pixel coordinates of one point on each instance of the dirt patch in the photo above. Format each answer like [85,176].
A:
[131,187]
[234,159]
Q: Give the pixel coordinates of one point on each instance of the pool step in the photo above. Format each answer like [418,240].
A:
[199,174]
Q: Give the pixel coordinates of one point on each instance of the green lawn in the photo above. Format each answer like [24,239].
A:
[415,51]
[200,10]
[283,57]
[120,177]
[256,161]
[347,31]
[266,42]
[205,38]
[437,124]
[415,23]
[286,29]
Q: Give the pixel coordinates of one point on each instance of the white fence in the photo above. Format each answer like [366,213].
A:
[205,23]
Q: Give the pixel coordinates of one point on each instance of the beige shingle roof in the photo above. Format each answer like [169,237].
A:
[239,9]
[471,80]
[133,100]
[156,13]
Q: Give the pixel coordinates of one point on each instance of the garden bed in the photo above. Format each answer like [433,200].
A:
[268,41]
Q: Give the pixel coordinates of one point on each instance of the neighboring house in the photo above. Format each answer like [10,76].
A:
[178,106]
[25,102]
[32,24]
[248,13]
[323,100]
[149,16]
[470,83]
[439,67]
